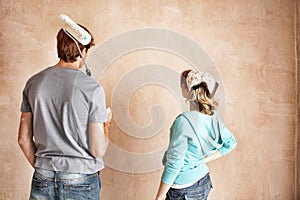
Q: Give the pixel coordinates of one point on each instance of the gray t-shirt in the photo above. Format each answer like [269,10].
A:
[63,101]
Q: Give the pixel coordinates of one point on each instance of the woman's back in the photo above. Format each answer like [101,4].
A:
[193,136]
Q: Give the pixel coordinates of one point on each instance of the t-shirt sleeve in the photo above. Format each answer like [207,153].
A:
[98,111]
[25,106]
[176,151]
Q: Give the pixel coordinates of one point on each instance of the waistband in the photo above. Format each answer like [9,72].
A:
[176,186]
[61,175]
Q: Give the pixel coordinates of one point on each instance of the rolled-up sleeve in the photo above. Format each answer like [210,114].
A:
[176,152]
[229,142]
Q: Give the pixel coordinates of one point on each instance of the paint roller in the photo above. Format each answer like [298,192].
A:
[76,33]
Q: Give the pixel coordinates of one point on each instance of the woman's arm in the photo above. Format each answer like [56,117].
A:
[212,157]
[162,191]
[175,155]
[229,142]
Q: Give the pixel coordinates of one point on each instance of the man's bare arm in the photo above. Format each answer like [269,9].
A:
[99,136]
[98,140]
[25,137]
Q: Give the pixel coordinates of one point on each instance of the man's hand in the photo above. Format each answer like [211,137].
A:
[107,124]
[109,114]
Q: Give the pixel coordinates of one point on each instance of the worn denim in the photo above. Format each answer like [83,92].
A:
[198,191]
[52,185]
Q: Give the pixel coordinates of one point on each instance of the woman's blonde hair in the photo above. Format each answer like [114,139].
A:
[201,95]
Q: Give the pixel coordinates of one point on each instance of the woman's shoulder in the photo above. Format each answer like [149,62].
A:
[197,117]
[196,114]
[188,116]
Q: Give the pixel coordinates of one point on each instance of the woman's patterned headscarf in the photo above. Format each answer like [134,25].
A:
[196,77]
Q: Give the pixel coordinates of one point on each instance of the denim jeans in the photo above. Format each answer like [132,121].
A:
[198,191]
[53,185]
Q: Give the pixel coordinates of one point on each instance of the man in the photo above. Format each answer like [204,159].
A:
[63,128]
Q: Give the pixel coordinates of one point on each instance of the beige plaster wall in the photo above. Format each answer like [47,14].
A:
[298,114]
[252,45]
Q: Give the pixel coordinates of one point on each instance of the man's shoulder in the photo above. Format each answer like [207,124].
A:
[87,83]
[87,79]
[38,74]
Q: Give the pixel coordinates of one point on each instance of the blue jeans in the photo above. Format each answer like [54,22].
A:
[53,185]
[198,191]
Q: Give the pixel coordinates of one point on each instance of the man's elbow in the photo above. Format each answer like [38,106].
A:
[98,156]
[22,142]
[99,153]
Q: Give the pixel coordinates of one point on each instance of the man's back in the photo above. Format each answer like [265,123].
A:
[64,126]
[63,101]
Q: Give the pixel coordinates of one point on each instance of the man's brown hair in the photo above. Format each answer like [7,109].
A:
[66,47]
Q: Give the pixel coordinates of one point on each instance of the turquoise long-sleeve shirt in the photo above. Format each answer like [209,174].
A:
[184,159]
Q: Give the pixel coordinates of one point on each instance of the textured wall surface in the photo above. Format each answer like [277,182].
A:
[252,45]
[298,114]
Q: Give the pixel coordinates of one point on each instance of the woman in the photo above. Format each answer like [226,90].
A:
[196,137]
